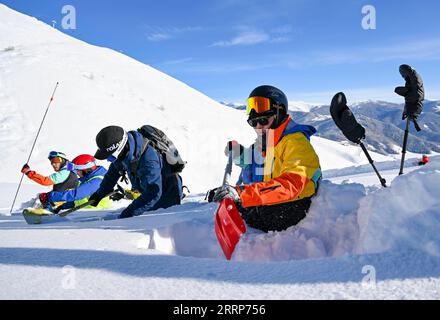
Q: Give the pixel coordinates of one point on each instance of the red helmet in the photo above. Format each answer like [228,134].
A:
[85,162]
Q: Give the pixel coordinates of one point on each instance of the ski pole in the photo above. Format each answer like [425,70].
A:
[383,182]
[228,169]
[83,205]
[33,146]
[405,142]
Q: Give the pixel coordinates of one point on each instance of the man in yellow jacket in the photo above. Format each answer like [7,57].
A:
[280,171]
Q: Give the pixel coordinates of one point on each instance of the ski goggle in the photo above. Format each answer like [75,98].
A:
[258,104]
[264,121]
[56,160]
[76,167]
[56,154]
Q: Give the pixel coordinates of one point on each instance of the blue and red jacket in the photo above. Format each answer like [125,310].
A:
[88,185]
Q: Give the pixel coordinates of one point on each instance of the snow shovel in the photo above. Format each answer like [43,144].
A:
[39,216]
[229,225]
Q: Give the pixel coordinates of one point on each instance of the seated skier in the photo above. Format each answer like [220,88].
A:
[90,178]
[61,180]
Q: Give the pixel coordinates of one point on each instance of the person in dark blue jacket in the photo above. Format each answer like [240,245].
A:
[90,178]
[148,171]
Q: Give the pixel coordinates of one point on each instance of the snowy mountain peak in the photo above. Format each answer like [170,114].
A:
[374,103]
[98,87]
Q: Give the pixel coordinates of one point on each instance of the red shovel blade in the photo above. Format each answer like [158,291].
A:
[229,226]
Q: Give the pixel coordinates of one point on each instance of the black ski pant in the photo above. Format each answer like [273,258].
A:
[277,217]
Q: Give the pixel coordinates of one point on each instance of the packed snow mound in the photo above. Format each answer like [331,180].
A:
[329,230]
[345,218]
[331,253]
[406,215]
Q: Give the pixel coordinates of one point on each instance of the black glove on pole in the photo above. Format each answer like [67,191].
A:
[352,130]
[414,94]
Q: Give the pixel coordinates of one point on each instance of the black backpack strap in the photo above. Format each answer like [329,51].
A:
[134,164]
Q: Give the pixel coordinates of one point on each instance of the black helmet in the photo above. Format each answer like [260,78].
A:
[278,103]
[110,141]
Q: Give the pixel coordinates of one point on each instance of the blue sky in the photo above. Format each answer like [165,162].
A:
[310,49]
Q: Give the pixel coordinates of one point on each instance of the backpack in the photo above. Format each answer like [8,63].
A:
[161,143]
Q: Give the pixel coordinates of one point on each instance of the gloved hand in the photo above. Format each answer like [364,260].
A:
[236,149]
[132,194]
[26,169]
[64,206]
[57,209]
[117,196]
[227,191]
[210,194]
[95,199]
[413,92]
[44,199]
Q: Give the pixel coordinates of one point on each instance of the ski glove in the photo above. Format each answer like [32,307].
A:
[57,209]
[234,147]
[95,199]
[132,194]
[44,199]
[117,196]
[26,169]
[345,120]
[210,194]
[413,92]
[227,191]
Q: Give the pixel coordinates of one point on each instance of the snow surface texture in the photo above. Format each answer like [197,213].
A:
[358,241]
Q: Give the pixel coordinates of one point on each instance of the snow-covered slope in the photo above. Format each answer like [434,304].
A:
[356,243]
[100,87]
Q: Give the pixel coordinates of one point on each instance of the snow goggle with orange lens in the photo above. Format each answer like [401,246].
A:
[56,160]
[258,104]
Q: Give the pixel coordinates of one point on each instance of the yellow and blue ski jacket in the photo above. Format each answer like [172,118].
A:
[288,169]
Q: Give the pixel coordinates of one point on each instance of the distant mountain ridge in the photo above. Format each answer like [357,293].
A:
[384,126]
[382,121]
